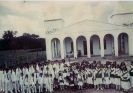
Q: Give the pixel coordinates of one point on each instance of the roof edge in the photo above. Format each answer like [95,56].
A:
[53,20]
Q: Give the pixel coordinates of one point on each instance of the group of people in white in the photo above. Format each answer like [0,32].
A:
[53,75]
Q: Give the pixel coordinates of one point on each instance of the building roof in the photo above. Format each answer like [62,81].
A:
[53,20]
[88,26]
[121,14]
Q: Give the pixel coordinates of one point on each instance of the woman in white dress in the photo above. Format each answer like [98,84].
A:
[80,80]
[89,76]
[106,80]
[117,75]
[125,78]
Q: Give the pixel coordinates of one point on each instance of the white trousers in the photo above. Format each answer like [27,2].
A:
[50,87]
[27,88]
[40,87]
[22,88]
[33,88]
[15,86]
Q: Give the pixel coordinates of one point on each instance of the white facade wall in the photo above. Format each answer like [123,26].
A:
[52,26]
[86,29]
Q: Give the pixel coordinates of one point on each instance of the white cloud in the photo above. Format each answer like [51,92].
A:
[29,16]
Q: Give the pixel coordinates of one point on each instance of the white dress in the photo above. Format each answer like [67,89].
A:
[98,80]
[106,76]
[117,80]
[124,83]
[89,75]
[112,80]
[80,80]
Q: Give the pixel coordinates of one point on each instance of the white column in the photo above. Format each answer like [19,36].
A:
[116,45]
[48,49]
[130,45]
[62,49]
[75,48]
[102,47]
[88,48]
[55,48]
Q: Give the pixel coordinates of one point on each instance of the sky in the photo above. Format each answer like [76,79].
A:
[29,16]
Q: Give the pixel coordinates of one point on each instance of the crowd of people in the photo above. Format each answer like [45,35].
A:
[60,75]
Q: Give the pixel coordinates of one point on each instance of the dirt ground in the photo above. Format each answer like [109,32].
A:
[92,91]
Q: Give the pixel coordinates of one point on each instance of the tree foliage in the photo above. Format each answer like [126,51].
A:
[9,41]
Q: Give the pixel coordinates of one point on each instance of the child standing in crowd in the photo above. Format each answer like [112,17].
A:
[80,80]
[61,81]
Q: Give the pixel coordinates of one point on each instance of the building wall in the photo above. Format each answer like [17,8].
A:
[53,25]
[74,32]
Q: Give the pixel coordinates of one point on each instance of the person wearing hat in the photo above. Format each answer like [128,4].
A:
[125,80]
[98,77]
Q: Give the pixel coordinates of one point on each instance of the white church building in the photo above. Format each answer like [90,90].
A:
[87,39]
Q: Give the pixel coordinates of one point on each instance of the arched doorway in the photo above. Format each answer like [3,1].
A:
[81,46]
[55,46]
[123,48]
[108,44]
[69,51]
[95,45]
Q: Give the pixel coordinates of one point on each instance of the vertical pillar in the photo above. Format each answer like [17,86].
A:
[116,45]
[102,47]
[130,45]
[88,48]
[62,49]
[48,49]
[53,48]
[75,48]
